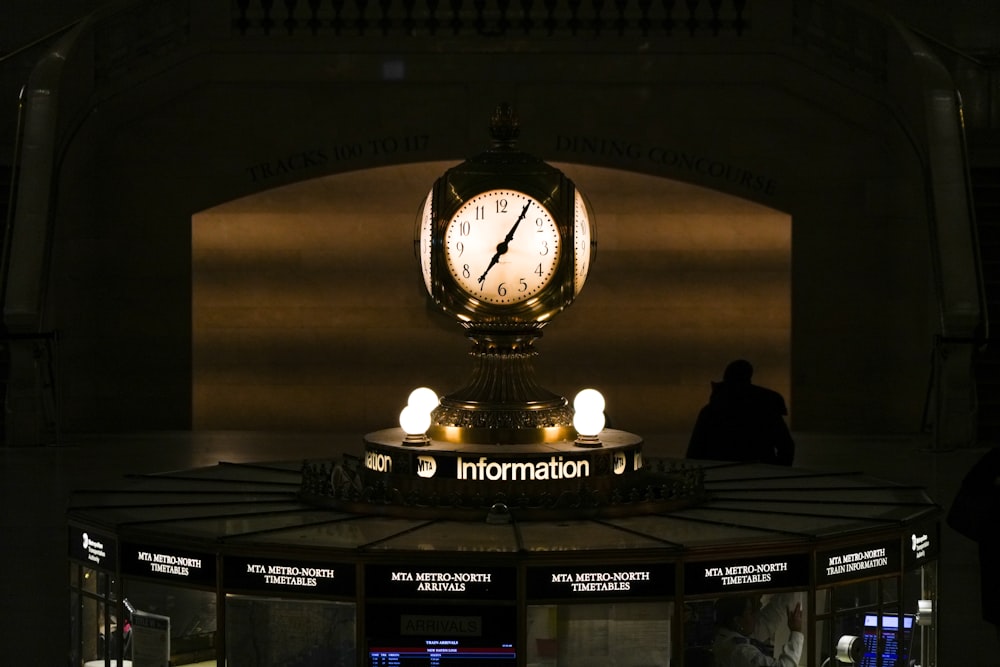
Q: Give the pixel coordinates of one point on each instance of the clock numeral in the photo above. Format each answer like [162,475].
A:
[480,212]
[524,285]
[545,249]
[460,247]
[502,289]
[464,228]
[540,223]
[538,270]
[466,273]
[501,206]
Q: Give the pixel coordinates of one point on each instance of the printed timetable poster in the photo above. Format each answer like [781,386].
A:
[150,640]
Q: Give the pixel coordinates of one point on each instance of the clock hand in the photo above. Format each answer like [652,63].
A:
[494,260]
[503,245]
[510,234]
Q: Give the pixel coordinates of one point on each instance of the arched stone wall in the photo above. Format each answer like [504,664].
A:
[860,272]
[771,125]
[309,310]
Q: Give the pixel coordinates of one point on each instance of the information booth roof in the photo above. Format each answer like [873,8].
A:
[246,507]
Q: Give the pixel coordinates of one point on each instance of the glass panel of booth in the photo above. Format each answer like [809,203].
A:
[739,608]
[169,595]
[272,631]
[440,632]
[94,630]
[613,614]
[875,602]
[180,622]
[427,612]
[608,634]
[868,617]
[738,627]
[924,579]
[279,611]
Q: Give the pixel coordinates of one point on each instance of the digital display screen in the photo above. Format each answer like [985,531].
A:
[890,641]
[426,635]
[445,652]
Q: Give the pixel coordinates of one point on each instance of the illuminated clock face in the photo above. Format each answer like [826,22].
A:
[582,243]
[425,242]
[502,247]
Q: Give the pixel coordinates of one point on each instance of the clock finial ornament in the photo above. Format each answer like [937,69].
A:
[504,128]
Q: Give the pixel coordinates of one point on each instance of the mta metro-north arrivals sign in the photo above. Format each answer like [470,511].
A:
[444,581]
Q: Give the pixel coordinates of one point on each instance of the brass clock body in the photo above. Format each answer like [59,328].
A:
[504,239]
[500,251]
[504,242]
[584,240]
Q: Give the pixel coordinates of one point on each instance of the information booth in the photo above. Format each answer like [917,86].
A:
[231,565]
[500,524]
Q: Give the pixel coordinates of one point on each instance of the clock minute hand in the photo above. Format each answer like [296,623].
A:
[505,244]
[510,234]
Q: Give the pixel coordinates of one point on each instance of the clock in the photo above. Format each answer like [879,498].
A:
[424,243]
[583,241]
[504,242]
[502,247]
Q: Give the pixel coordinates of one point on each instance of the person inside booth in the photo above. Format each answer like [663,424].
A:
[741,621]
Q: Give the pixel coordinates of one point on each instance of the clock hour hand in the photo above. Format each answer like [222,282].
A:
[496,258]
[503,245]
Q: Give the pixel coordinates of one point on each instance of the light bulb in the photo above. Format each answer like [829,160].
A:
[414,421]
[588,424]
[588,400]
[416,418]
[423,398]
[588,417]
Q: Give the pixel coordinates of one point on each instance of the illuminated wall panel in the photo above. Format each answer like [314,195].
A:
[308,311]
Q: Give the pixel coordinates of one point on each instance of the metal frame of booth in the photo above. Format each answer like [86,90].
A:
[247,574]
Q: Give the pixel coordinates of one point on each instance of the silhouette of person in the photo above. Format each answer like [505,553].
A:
[742,422]
[973,514]
[737,620]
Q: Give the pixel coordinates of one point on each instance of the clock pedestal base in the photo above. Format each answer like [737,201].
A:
[527,482]
[503,404]
[539,482]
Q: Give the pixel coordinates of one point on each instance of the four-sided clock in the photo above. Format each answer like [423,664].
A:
[511,246]
[504,242]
